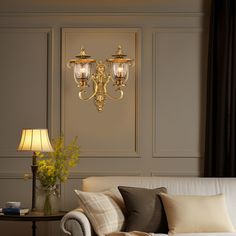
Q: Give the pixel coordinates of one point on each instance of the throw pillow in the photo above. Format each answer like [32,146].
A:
[144,210]
[115,194]
[196,214]
[103,212]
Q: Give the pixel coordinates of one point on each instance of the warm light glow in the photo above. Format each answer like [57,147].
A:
[82,71]
[120,69]
[36,140]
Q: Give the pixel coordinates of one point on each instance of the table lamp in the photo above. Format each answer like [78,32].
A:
[35,140]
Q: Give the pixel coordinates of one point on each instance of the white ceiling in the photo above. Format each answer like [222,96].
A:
[8,6]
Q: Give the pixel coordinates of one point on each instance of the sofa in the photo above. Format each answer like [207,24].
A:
[76,222]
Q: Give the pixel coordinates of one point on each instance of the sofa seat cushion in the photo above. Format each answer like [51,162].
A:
[135,233]
[159,234]
[185,234]
[204,234]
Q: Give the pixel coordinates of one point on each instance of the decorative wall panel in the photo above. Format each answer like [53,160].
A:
[112,132]
[178,78]
[24,84]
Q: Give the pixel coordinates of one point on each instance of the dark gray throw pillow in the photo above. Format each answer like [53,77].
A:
[145,211]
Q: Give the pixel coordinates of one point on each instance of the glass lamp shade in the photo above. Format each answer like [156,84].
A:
[35,140]
[120,70]
[120,66]
[82,71]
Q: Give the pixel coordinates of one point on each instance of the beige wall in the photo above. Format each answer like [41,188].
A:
[158,127]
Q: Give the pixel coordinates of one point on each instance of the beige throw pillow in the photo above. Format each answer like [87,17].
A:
[196,214]
[103,212]
[114,193]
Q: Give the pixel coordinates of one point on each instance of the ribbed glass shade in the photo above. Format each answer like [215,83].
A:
[120,70]
[36,140]
[82,71]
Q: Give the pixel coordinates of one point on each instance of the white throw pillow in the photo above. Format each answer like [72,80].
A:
[196,214]
[103,212]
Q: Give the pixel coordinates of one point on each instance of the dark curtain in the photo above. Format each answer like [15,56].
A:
[220,155]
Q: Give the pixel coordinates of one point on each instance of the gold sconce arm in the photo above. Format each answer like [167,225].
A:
[118,89]
[82,90]
[116,98]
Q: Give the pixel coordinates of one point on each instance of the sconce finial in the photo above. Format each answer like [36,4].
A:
[82,54]
[82,51]
[119,53]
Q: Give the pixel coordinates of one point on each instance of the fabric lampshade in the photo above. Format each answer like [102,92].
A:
[35,140]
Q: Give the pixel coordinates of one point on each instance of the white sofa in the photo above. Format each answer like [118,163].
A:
[77,224]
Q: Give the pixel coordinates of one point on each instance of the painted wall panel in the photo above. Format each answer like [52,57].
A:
[177,92]
[111,132]
[24,78]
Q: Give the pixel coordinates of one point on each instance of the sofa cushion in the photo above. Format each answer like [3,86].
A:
[204,234]
[135,233]
[145,211]
[196,214]
[103,212]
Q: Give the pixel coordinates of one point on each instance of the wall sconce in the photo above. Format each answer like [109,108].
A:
[119,66]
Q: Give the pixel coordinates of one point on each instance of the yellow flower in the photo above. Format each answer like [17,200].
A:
[54,166]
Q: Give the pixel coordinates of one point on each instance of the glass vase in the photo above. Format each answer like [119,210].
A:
[48,199]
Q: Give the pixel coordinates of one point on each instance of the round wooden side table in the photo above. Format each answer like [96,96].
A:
[34,217]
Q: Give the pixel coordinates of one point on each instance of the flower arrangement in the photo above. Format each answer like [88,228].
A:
[54,166]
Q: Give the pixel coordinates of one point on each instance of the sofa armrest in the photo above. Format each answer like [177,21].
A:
[76,223]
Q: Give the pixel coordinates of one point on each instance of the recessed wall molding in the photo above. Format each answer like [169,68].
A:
[43,14]
[189,155]
[175,173]
[12,175]
[115,131]
[82,175]
[73,175]
[35,71]
[181,79]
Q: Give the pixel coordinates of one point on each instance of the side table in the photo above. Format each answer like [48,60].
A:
[34,217]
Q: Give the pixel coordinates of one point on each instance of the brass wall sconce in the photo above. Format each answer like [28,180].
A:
[119,66]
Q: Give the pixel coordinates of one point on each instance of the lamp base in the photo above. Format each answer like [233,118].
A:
[34,168]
